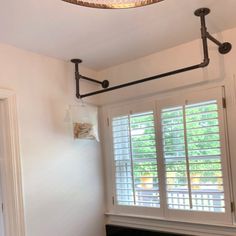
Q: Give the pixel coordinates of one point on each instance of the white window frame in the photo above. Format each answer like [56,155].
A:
[163,213]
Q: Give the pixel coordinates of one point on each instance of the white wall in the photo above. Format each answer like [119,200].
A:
[62,178]
[221,71]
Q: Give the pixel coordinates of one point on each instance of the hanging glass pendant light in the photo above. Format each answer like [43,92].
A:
[113,4]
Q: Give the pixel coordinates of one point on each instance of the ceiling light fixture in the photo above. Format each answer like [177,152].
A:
[112,4]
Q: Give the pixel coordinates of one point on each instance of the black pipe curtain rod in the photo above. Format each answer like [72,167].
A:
[224,48]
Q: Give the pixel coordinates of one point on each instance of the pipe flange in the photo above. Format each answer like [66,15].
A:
[224,48]
[105,84]
[76,61]
[202,11]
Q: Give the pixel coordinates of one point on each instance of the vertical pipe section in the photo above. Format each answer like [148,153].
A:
[204,39]
[77,78]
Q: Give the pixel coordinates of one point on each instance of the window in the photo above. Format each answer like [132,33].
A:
[136,160]
[191,144]
[170,158]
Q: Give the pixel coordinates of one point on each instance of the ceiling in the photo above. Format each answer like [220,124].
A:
[103,38]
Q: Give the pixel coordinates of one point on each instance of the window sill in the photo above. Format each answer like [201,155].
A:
[172,226]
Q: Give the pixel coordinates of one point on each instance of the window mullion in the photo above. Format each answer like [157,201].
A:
[187,158]
[131,159]
[160,161]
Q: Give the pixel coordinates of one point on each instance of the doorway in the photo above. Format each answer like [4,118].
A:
[1,210]
[11,197]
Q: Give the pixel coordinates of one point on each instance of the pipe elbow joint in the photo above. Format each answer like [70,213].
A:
[205,63]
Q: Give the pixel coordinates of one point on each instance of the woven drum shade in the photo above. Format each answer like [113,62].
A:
[113,4]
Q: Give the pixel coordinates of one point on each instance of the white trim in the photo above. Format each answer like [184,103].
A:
[165,94]
[230,94]
[14,224]
[171,226]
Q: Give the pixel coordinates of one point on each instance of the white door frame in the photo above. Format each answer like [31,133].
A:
[10,165]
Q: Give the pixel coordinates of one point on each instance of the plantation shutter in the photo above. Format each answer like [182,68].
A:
[135,160]
[193,158]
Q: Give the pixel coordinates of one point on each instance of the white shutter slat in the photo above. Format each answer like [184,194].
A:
[136,168]
[205,167]
[193,159]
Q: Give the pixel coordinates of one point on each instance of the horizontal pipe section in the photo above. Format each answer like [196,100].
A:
[205,35]
[201,65]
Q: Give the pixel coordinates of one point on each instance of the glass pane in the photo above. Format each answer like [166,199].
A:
[145,168]
[175,158]
[122,158]
[194,179]
[204,152]
[134,145]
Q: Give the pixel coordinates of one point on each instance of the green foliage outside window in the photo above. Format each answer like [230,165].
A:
[203,143]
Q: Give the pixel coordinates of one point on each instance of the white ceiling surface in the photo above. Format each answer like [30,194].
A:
[103,38]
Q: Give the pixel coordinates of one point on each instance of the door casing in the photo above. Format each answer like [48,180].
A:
[10,166]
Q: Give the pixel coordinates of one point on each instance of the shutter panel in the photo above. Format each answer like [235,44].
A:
[204,152]
[122,159]
[192,154]
[177,185]
[134,145]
